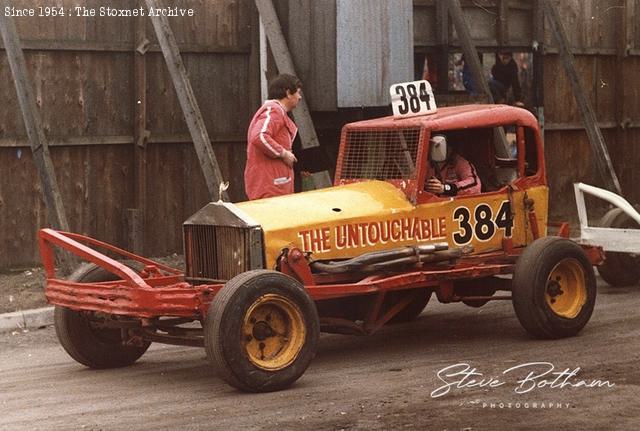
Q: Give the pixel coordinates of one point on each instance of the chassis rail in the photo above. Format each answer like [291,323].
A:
[158,290]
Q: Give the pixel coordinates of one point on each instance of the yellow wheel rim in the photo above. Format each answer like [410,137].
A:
[273,331]
[566,290]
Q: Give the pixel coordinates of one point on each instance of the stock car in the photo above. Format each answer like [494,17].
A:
[262,278]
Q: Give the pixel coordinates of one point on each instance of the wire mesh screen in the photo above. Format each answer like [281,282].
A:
[381,154]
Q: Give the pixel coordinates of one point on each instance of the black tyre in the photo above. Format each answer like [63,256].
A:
[619,269]
[89,345]
[261,331]
[554,288]
[413,309]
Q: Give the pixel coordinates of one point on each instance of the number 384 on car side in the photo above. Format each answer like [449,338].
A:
[447,202]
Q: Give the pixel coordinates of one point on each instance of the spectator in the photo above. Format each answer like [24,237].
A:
[467,77]
[504,76]
[269,168]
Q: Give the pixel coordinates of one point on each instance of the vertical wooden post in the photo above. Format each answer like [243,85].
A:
[284,63]
[601,154]
[619,84]
[538,59]
[188,103]
[468,47]
[471,56]
[136,215]
[255,71]
[35,132]
[503,22]
[442,29]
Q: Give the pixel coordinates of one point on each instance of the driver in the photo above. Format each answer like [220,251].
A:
[449,173]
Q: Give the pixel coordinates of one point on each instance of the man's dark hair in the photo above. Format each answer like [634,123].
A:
[280,84]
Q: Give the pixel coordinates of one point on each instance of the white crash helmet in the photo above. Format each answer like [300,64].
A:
[438,148]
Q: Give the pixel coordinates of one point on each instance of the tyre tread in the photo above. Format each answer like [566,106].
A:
[529,305]
[79,342]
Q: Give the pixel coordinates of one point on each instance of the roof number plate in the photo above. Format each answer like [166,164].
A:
[412,98]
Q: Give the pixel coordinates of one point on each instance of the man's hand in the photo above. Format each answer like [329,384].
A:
[288,157]
[434,186]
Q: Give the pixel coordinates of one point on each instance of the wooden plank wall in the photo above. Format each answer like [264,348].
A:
[83,77]
[82,70]
[604,38]
[484,20]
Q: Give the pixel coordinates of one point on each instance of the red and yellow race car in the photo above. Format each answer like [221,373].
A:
[263,278]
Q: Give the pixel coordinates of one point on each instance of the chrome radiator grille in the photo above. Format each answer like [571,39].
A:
[221,252]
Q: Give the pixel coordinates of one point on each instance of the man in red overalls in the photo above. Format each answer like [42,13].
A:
[269,169]
[450,174]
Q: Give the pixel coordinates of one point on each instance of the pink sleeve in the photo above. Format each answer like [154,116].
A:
[468,181]
[263,131]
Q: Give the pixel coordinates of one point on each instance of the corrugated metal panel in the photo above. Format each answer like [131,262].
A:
[374,49]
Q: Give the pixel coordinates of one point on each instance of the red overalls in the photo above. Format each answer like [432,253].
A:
[458,176]
[271,131]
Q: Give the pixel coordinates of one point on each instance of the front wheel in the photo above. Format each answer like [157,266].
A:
[554,288]
[261,331]
[81,335]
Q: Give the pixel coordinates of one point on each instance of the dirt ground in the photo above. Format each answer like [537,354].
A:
[381,382]
[23,288]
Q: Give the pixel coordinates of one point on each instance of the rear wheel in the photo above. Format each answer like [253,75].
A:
[619,269]
[83,339]
[261,331]
[554,288]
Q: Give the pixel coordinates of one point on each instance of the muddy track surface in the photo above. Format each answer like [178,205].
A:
[385,381]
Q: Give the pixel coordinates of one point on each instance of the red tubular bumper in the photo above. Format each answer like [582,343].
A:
[157,291]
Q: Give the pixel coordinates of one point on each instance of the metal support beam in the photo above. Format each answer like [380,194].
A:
[33,124]
[206,156]
[284,63]
[601,153]
[471,56]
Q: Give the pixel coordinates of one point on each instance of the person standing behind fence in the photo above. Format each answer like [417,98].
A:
[269,168]
[504,75]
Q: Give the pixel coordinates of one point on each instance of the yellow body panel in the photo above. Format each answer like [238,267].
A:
[347,221]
